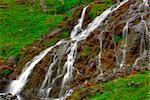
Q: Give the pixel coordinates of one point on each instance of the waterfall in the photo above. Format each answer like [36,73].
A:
[70,48]
[79,25]
[143,52]
[17,85]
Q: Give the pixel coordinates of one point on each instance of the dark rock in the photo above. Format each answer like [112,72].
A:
[3,84]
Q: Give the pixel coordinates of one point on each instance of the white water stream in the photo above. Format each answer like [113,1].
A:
[124,49]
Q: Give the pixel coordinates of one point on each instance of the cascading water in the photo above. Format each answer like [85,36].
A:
[143,52]
[17,85]
[79,25]
[124,49]
[75,38]
[101,38]
[68,49]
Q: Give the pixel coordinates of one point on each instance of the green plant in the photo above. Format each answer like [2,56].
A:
[87,50]
[6,72]
[117,38]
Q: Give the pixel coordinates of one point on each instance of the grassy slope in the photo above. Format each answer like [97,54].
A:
[23,24]
[120,89]
[133,87]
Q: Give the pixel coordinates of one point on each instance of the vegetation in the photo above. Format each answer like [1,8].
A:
[64,34]
[134,87]
[22,24]
[59,7]
[99,8]
[87,50]
[117,38]
[5,72]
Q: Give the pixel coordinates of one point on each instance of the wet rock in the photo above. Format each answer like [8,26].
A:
[55,31]
[134,84]
[137,68]
[11,60]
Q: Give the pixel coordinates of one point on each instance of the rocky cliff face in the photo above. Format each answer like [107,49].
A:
[116,48]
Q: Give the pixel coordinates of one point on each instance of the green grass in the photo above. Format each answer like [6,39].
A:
[22,24]
[99,8]
[59,7]
[120,90]
[64,34]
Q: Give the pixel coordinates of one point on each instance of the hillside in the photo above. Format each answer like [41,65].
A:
[74,49]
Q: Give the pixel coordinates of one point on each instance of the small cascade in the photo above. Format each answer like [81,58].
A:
[143,56]
[115,47]
[124,49]
[78,27]
[101,38]
[69,66]
[142,42]
[143,52]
